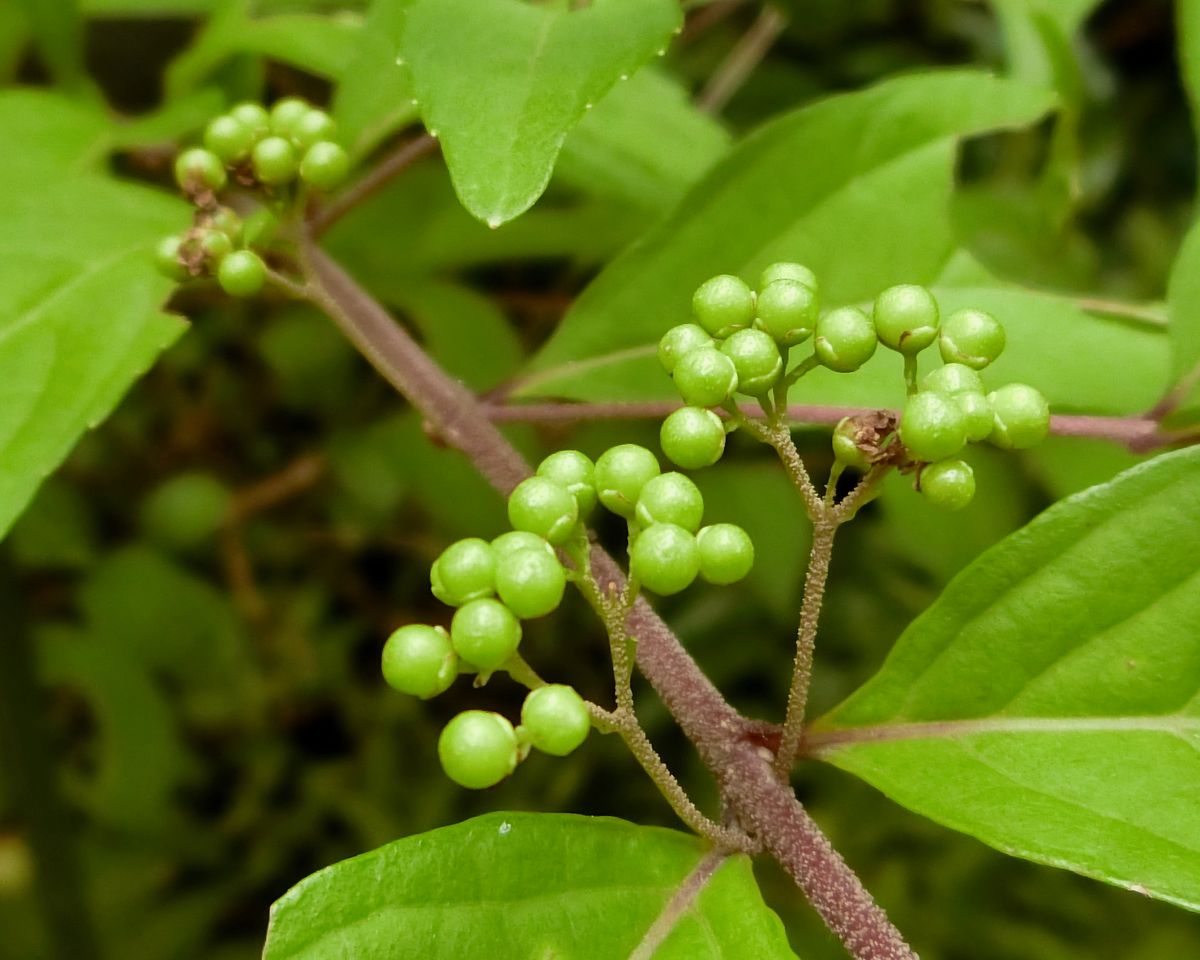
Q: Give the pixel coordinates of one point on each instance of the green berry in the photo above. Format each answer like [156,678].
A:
[971,337]
[419,660]
[845,445]
[705,377]
[273,160]
[949,484]
[906,318]
[242,273]
[933,427]
[253,116]
[198,169]
[787,310]
[465,571]
[665,558]
[515,540]
[186,510]
[478,749]
[315,126]
[325,165]
[788,271]
[485,633]
[726,553]
[555,718]
[723,304]
[166,257]
[530,582]
[576,473]
[1020,416]
[756,359]
[671,498]
[978,414]
[680,340]
[260,227]
[621,473]
[692,437]
[952,379]
[286,115]
[543,507]
[216,245]
[845,340]
[228,222]
[229,138]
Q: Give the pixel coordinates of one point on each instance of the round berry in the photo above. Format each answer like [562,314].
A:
[978,414]
[242,273]
[681,340]
[186,510]
[575,472]
[756,359]
[253,116]
[846,339]
[198,169]
[671,498]
[971,337]
[215,245]
[166,256]
[419,660]
[952,379]
[949,484]
[933,427]
[726,553]
[228,222]
[315,126]
[621,473]
[273,160]
[485,633]
[465,571]
[845,445]
[723,304]
[260,227]
[530,582]
[286,115]
[325,165]
[515,540]
[555,718]
[478,749]
[788,271]
[906,318]
[229,138]
[787,310]
[692,437]
[665,558]
[705,377]
[1020,416]
[543,507]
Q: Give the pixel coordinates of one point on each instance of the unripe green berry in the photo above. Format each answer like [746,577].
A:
[681,340]
[845,340]
[555,718]
[215,245]
[514,540]
[198,169]
[723,304]
[530,582]
[787,310]
[671,498]
[906,318]
[242,273]
[705,377]
[419,660]
[543,507]
[1020,416]
[952,379]
[971,337]
[621,473]
[273,160]
[726,553]
[485,633]
[325,165]
[315,126]
[756,359]
[575,472]
[978,414]
[692,437]
[166,257]
[228,222]
[478,749]
[253,116]
[949,484]
[665,558]
[229,138]
[788,271]
[286,115]
[933,427]
[465,571]
[845,445]
[186,510]
[260,227]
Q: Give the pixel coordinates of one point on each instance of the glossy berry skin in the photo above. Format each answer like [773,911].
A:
[665,558]
[228,222]
[313,127]
[543,507]
[478,749]
[726,553]
[325,165]
[465,571]
[949,484]
[621,472]
[692,437]
[952,379]
[971,337]
[978,414]
[485,633]
[198,169]
[229,138]
[787,311]
[671,498]
[575,472]
[1020,416]
[555,718]
[681,340]
[788,271]
[273,160]
[253,116]
[515,540]
[845,340]
[242,273]
[705,377]
[845,445]
[933,427]
[286,115]
[723,304]
[756,359]
[906,318]
[530,582]
[419,660]
[166,257]
[216,245]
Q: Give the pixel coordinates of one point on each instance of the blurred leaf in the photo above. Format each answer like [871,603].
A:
[1188,30]
[57,135]
[516,886]
[312,363]
[1047,702]
[1067,465]
[171,122]
[58,32]
[56,531]
[1183,306]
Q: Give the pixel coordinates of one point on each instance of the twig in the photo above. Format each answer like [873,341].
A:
[747,53]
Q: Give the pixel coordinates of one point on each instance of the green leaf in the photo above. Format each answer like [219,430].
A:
[1183,306]
[1188,31]
[520,886]
[58,32]
[57,135]
[1048,702]
[501,82]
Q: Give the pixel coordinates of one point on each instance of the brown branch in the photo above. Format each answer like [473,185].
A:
[747,54]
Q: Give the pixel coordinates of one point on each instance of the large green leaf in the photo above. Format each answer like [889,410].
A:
[1188,30]
[1183,305]
[1049,702]
[501,82]
[519,886]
